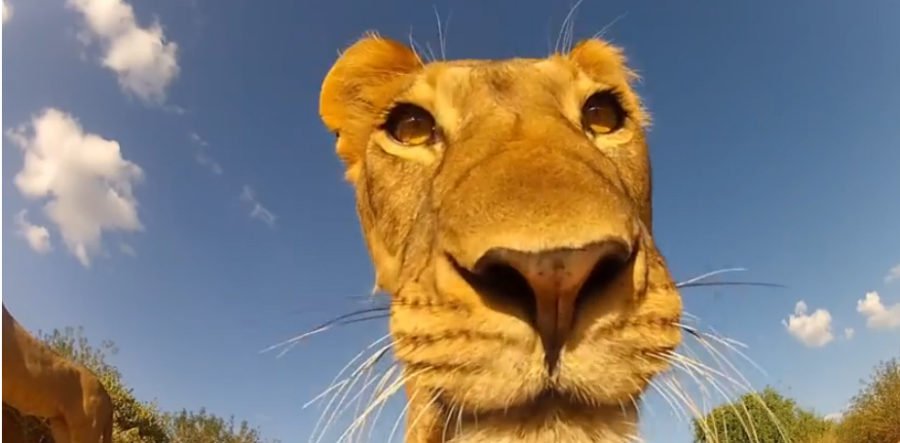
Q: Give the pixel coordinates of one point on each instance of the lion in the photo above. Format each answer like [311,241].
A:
[12,428]
[39,382]
[506,208]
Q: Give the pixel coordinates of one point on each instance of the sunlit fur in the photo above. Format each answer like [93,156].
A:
[512,168]
[39,382]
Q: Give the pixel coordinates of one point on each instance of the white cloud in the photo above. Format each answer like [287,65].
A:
[144,62]
[7,11]
[849,333]
[813,330]
[198,140]
[257,210]
[127,249]
[202,157]
[84,178]
[205,160]
[834,416]
[877,314]
[38,236]
[893,275]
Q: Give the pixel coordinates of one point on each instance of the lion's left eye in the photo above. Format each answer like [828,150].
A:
[602,113]
[410,125]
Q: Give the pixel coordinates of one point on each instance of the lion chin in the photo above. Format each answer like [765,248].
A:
[506,208]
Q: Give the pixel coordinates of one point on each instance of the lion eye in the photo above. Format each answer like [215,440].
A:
[602,113]
[410,125]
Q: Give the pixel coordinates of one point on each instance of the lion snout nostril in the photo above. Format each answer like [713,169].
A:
[549,285]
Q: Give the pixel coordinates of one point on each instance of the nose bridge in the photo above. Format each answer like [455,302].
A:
[532,198]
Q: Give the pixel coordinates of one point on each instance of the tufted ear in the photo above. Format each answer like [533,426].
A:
[359,77]
[602,59]
[363,80]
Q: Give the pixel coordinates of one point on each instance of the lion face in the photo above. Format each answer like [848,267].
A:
[506,207]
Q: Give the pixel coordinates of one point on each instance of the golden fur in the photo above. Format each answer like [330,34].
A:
[513,170]
[37,381]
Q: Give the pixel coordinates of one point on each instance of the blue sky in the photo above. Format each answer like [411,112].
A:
[775,147]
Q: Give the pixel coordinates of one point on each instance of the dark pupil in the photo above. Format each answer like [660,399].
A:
[414,125]
[415,120]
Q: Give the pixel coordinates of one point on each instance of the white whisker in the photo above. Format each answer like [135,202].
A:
[605,28]
[707,275]
[564,27]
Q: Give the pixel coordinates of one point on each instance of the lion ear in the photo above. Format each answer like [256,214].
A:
[358,78]
[602,60]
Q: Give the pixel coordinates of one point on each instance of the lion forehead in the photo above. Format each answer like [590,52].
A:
[459,92]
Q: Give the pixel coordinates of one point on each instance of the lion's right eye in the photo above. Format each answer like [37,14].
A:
[602,113]
[410,125]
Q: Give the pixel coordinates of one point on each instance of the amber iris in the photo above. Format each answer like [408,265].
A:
[410,125]
[602,113]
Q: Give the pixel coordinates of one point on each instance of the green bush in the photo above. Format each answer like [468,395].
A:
[766,416]
[134,421]
[874,413]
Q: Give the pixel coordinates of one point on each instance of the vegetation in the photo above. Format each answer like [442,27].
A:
[874,413]
[200,427]
[872,417]
[134,421]
[766,416]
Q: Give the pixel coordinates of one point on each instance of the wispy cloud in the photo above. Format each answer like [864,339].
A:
[7,11]
[892,275]
[202,157]
[144,62]
[87,182]
[257,210]
[849,333]
[37,236]
[813,330]
[878,316]
[127,249]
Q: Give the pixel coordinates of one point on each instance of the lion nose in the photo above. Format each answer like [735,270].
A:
[552,284]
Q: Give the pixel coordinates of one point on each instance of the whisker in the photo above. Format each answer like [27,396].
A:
[687,402]
[732,345]
[339,323]
[634,403]
[422,410]
[691,365]
[382,397]
[379,389]
[341,385]
[353,378]
[665,396]
[563,27]
[733,283]
[416,49]
[347,366]
[677,389]
[570,31]
[720,358]
[605,28]
[400,416]
[430,51]
[442,32]
[707,275]
[447,423]
[324,327]
[698,411]
[369,381]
